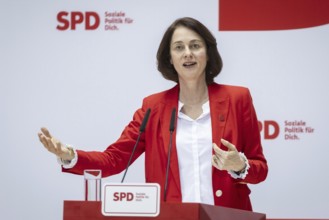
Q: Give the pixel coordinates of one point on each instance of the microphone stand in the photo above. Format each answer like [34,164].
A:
[141,130]
[171,129]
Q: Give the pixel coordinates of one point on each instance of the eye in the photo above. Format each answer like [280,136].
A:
[195,46]
[178,47]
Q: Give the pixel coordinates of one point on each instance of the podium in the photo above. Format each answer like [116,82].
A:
[82,210]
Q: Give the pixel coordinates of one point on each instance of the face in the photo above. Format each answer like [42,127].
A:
[188,54]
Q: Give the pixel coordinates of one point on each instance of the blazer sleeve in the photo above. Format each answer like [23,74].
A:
[114,158]
[251,143]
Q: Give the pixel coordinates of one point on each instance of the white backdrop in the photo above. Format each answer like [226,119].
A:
[84,85]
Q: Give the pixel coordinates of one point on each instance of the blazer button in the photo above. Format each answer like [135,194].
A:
[219,193]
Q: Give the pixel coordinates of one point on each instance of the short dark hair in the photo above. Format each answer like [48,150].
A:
[214,64]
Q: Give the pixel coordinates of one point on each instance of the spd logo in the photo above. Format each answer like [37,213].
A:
[71,20]
[269,128]
[128,196]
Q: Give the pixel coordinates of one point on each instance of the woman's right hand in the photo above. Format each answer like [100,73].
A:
[54,146]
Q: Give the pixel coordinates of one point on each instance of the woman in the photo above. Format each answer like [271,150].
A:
[216,146]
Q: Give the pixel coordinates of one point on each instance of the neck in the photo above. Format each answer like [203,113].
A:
[193,93]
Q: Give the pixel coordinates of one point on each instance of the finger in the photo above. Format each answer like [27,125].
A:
[51,144]
[217,149]
[221,154]
[46,132]
[216,162]
[47,143]
[59,147]
[43,140]
[56,145]
[229,145]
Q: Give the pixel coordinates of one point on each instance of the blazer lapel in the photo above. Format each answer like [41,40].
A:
[219,108]
[170,101]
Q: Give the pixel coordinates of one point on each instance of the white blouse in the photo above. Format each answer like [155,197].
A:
[194,149]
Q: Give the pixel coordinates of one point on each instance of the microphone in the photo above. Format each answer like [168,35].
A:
[171,130]
[141,130]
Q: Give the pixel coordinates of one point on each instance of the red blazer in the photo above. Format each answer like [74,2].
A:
[233,118]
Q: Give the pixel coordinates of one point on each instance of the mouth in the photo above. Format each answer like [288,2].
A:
[189,64]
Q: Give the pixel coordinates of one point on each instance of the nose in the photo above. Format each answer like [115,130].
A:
[187,53]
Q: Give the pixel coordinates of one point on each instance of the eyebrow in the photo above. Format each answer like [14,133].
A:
[192,41]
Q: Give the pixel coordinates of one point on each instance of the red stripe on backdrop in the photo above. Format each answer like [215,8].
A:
[259,15]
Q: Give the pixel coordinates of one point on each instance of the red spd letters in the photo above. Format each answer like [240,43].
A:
[120,196]
[70,20]
[271,129]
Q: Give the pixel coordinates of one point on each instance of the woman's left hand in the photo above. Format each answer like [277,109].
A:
[227,160]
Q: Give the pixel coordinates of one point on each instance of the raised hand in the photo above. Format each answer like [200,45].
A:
[227,160]
[54,146]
